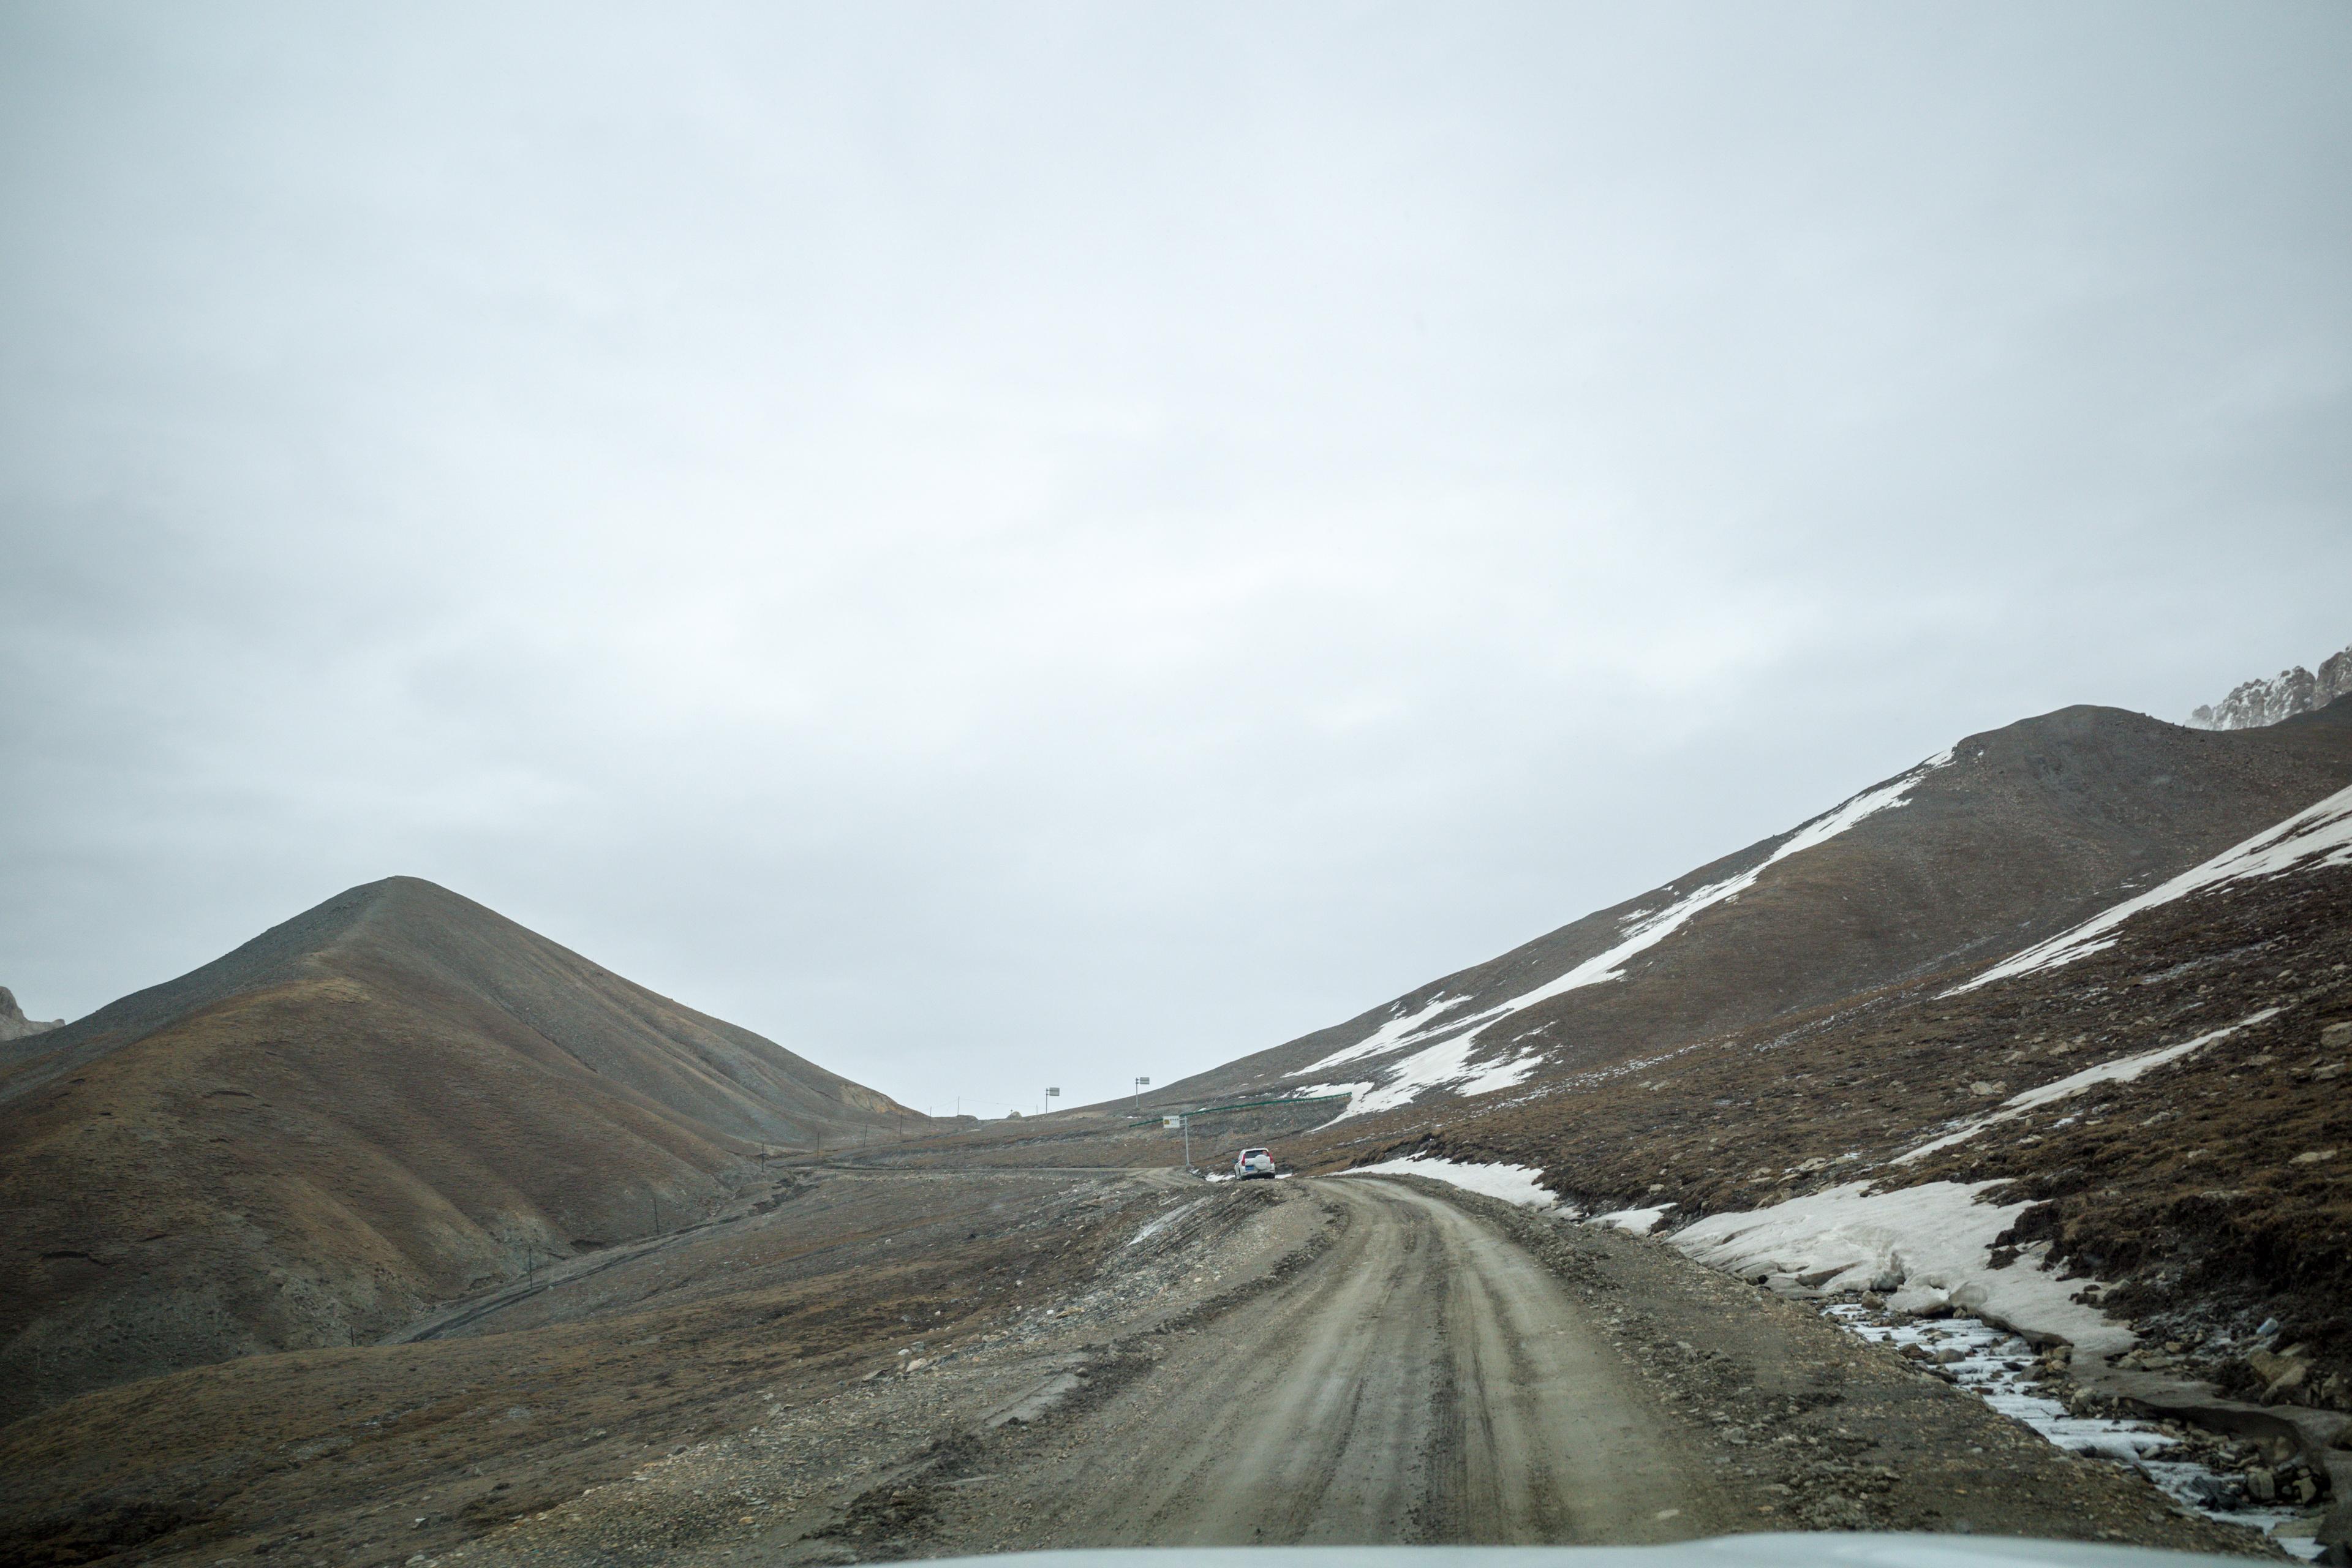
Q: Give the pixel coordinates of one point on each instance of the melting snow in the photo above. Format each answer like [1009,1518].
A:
[2123,1070]
[1512,1184]
[2324,830]
[1447,1063]
[1314,1089]
[1996,1366]
[1164,1221]
[1641,1222]
[1935,1241]
[1393,1032]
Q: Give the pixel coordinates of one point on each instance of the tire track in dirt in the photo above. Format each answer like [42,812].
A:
[1424,1380]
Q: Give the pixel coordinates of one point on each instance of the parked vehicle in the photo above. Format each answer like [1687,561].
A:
[1254,1162]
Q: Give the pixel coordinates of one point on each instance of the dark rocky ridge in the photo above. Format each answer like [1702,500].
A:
[2256,703]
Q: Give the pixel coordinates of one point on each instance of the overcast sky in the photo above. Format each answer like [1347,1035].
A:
[1005,544]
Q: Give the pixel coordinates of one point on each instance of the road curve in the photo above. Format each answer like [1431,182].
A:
[1423,1380]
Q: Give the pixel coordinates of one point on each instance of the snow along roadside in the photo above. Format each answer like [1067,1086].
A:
[1920,1248]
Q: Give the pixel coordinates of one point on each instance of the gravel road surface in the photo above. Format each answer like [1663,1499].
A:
[872,1365]
[1425,1381]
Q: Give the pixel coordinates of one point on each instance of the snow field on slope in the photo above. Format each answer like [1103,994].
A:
[1936,1239]
[1389,1036]
[2122,1070]
[2321,834]
[1513,1183]
[1446,1064]
[1443,1066]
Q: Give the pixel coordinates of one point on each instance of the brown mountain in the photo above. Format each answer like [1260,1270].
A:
[388,1101]
[2012,835]
[2157,1092]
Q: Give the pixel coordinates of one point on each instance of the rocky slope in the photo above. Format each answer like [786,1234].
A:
[389,1100]
[2165,1096]
[2256,703]
[2130,1138]
[14,1024]
[2012,835]
[2055,1030]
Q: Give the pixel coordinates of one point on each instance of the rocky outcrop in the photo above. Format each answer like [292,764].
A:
[14,1024]
[2284,695]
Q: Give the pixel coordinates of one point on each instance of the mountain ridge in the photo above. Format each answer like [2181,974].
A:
[2014,831]
[2295,690]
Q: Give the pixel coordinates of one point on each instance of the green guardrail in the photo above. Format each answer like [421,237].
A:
[1244,1105]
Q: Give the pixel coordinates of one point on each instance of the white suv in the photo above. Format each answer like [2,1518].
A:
[1254,1162]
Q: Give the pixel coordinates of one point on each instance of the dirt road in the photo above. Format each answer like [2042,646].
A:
[866,1365]
[1427,1380]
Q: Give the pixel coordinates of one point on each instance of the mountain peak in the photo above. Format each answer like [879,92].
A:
[14,1024]
[2255,703]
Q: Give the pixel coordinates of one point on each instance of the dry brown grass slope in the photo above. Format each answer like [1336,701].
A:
[2028,830]
[392,1098]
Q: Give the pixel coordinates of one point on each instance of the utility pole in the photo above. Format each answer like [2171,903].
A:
[1141,1085]
[1188,1142]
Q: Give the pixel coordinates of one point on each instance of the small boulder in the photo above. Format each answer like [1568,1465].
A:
[2282,1375]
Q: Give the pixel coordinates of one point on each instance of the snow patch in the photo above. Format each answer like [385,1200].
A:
[1389,1036]
[1513,1183]
[1443,1066]
[2122,1070]
[1639,1222]
[1923,1246]
[1164,1221]
[1644,931]
[1447,1062]
[2322,832]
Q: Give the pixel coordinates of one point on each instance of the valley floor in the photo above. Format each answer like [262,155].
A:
[867,1364]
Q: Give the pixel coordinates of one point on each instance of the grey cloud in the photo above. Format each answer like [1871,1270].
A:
[1023,544]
